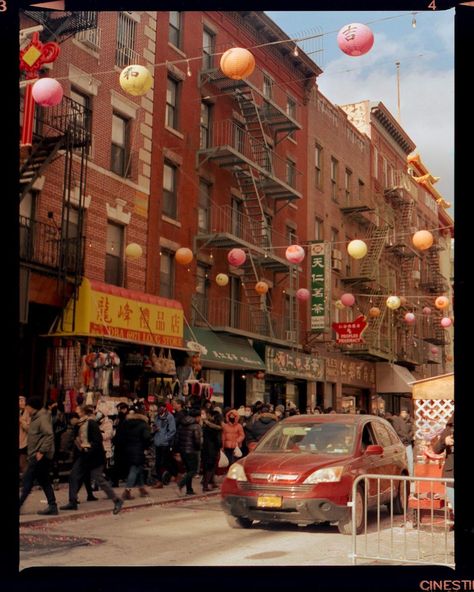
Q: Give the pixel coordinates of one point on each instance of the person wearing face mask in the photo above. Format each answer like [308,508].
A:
[232,434]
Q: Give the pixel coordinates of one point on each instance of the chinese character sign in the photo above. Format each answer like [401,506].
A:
[350,332]
[320,285]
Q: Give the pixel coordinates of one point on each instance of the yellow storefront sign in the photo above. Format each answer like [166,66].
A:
[107,311]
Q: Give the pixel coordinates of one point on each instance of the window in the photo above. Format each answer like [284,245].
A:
[126,34]
[239,138]
[71,240]
[291,236]
[171,117]
[384,171]
[167,274]
[204,139]
[382,434]
[237,221]
[335,238]
[348,185]
[114,254]
[361,187]
[208,48]
[376,163]
[318,166]
[267,86]
[170,198]
[334,167]
[291,111]
[120,153]
[174,32]
[290,173]
[204,205]
[83,115]
[390,175]
[318,229]
[202,282]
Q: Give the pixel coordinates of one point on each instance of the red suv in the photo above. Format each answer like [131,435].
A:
[303,469]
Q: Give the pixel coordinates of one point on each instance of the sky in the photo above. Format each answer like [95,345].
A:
[426,56]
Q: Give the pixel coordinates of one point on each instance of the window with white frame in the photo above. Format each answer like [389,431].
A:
[291,111]
[114,254]
[125,53]
[174,31]
[267,86]
[318,229]
[204,206]
[334,173]
[172,103]
[120,150]
[290,172]
[348,185]
[318,166]
[170,195]
[208,49]
[166,274]
[205,126]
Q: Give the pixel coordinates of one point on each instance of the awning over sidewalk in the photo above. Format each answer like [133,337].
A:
[111,312]
[392,378]
[436,387]
[223,351]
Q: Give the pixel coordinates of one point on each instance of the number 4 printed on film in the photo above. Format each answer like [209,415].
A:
[432,5]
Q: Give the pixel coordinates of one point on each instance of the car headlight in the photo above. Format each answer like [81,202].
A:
[236,471]
[328,475]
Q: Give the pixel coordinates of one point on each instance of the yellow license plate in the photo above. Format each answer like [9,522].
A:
[269,501]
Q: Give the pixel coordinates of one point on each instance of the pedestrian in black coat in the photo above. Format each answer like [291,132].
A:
[189,444]
[211,445]
[136,439]
[91,458]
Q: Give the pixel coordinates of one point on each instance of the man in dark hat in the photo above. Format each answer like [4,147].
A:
[40,448]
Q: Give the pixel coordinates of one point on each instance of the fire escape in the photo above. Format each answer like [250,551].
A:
[60,132]
[366,277]
[266,184]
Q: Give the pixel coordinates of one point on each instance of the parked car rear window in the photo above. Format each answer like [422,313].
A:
[318,438]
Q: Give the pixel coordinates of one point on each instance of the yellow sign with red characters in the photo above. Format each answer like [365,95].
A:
[108,311]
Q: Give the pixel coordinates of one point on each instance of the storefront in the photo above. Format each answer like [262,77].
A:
[118,342]
[350,384]
[394,388]
[292,376]
[229,364]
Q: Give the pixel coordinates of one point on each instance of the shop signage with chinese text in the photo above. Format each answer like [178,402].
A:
[355,373]
[293,364]
[320,285]
[350,332]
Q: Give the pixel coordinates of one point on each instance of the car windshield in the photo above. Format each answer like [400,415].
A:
[318,438]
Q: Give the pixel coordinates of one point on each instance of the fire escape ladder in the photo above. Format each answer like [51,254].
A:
[372,333]
[37,161]
[376,238]
[259,311]
[406,275]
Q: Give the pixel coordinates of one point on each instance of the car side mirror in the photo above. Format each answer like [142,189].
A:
[374,449]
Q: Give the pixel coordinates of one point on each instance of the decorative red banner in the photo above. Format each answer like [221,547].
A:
[350,332]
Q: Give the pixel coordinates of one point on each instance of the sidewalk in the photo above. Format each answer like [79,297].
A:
[168,494]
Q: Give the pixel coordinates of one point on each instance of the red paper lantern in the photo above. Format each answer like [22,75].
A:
[446,322]
[355,39]
[237,63]
[347,299]
[427,310]
[47,92]
[410,317]
[303,294]
[294,254]
[236,257]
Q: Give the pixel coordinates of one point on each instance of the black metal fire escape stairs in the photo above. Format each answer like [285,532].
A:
[258,185]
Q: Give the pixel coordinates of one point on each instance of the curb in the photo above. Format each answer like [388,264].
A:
[76,515]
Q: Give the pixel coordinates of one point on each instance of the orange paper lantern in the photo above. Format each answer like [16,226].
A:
[423,239]
[261,288]
[237,63]
[441,302]
[184,256]
[374,312]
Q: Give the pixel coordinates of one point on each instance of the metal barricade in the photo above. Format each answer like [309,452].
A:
[416,531]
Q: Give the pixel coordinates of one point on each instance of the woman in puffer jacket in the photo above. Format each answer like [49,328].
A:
[232,434]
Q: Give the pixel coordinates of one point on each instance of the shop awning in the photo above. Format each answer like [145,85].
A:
[436,387]
[110,312]
[392,378]
[223,351]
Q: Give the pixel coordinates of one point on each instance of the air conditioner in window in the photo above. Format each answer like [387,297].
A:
[336,264]
[290,336]
[336,254]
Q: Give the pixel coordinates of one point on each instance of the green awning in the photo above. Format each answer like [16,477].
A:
[223,351]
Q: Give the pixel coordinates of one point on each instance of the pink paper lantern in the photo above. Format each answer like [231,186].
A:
[410,317]
[355,39]
[302,294]
[347,299]
[446,322]
[434,350]
[294,254]
[427,310]
[47,92]
[236,257]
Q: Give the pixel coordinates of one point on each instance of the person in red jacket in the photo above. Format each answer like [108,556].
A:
[232,434]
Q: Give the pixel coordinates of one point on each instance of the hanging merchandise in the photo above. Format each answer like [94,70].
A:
[169,365]
[157,361]
[99,369]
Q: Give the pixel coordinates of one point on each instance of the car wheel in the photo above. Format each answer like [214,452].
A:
[401,499]
[239,522]
[345,525]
